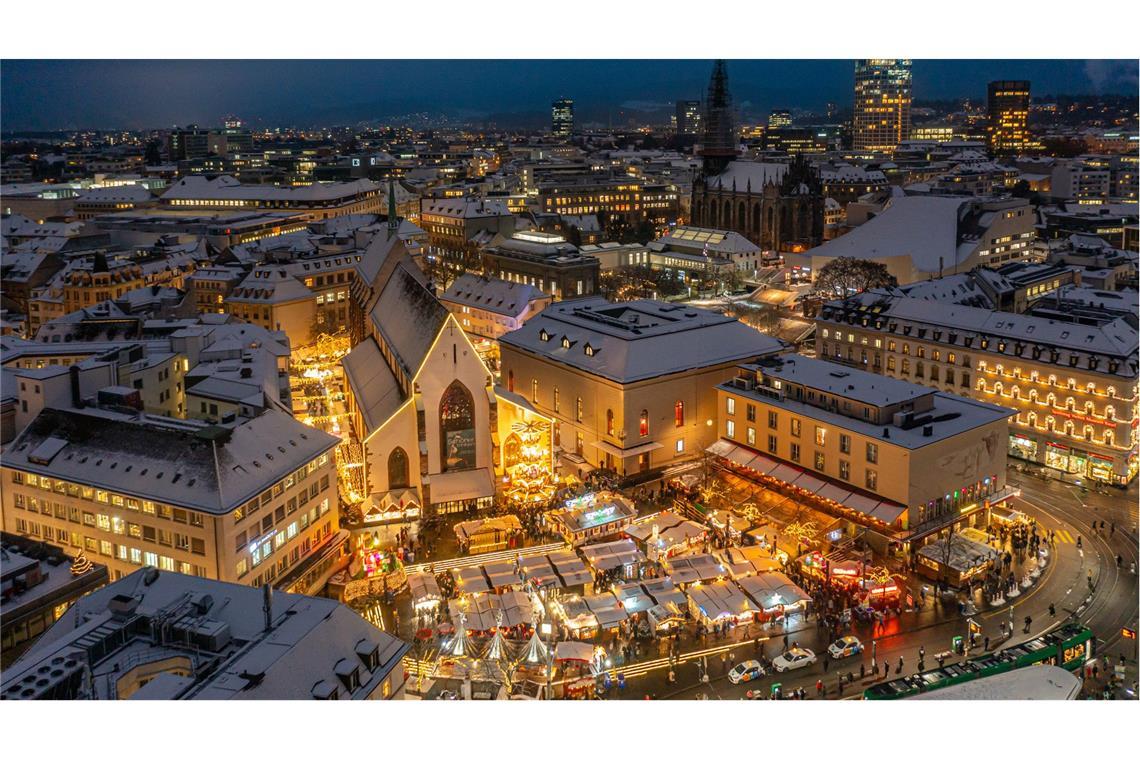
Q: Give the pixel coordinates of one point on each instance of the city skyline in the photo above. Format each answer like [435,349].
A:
[53,95]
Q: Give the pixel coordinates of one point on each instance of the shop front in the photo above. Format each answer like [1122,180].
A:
[1023,447]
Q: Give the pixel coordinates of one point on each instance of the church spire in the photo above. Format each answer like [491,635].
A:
[719,142]
[393,222]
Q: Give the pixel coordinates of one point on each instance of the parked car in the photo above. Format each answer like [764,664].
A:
[749,670]
[845,647]
[793,659]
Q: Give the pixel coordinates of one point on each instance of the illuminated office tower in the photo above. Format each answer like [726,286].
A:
[779,119]
[882,103]
[562,117]
[688,117]
[1009,117]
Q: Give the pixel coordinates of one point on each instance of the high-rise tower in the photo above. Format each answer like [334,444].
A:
[882,103]
[719,145]
[1008,103]
[562,118]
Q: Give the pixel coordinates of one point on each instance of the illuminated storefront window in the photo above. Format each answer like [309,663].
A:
[1022,446]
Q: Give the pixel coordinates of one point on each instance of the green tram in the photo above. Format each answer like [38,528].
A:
[1069,647]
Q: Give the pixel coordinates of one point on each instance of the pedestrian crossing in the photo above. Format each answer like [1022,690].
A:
[1064,537]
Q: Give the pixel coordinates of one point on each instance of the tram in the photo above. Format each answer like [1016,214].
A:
[1068,647]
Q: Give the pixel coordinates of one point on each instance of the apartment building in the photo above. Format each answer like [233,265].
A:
[250,501]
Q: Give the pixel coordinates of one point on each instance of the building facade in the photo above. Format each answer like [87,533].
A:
[882,104]
[1008,106]
[628,386]
[1073,386]
[886,454]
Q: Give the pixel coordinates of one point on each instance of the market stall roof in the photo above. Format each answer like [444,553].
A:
[424,587]
[694,567]
[672,529]
[470,580]
[536,651]
[720,599]
[1007,514]
[633,597]
[963,553]
[664,591]
[570,568]
[612,554]
[501,574]
[770,590]
[743,561]
[573,650]
[483,611]
[468,528]
[606,609]
[537,570]
[602,509]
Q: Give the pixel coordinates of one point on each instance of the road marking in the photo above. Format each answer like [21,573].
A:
[1064,536]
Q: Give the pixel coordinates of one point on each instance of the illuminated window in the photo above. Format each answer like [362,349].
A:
[643,423]
[679,413]
[820,436]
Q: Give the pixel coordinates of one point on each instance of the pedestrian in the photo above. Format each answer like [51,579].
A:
[900,667]
[886,668]
[819,687]
[862,670]
[1028,622]
[986,644]
[826,662]
[1052,610]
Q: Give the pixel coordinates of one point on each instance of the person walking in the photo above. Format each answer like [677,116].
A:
[819,687]
[826,662]
[900,666]
[1028,622]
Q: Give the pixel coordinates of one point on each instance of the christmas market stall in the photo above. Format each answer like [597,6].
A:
[592,515]
[775,594]
[426,597]
[488,534]
[743,561]
[694,568]
[570,571]
[654,605]
[607,611]
[956,560]
[470,580]
[666,534]
[503,576]
[614,560]
[485,613]
[575,616]
[720,602]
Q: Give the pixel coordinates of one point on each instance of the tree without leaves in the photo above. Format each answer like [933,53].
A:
[845,276]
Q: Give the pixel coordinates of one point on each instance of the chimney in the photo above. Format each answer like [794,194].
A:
[927,431]
[267,606]
[76,395]
[886,432]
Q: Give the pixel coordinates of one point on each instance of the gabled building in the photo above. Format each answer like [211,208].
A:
[419,397]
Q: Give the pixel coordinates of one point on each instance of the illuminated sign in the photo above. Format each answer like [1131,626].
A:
[1075,652]
[584,500]
[599,515]
[1128,633]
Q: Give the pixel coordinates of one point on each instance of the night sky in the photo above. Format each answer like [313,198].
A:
[43,95]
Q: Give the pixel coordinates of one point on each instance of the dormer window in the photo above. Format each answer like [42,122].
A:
[543,335]
[565,342]
[589,350]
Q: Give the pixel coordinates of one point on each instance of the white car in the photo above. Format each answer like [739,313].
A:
[793,659]
[845,647]
[749,670]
